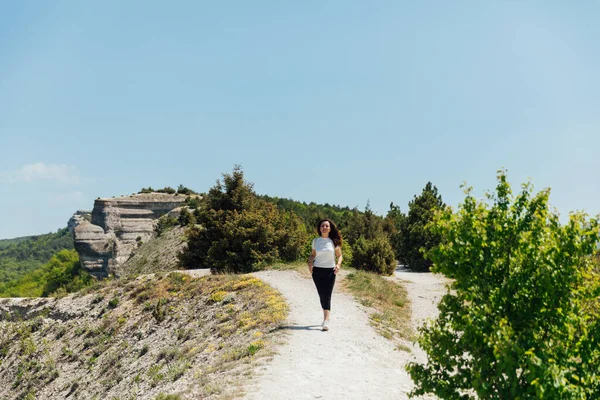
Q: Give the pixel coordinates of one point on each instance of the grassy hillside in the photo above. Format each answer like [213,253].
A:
[22,255]
[155,337]
[159,254]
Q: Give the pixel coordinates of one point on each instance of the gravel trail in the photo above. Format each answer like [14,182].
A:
[351,361]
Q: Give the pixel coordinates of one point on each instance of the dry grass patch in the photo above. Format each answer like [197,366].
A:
[164,336]
[299,266]
[388,299]
[159,254]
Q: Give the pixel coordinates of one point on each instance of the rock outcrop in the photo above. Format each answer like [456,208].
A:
[78,218]
[117,226]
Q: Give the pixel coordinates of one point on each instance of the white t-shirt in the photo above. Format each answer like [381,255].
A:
[325,252]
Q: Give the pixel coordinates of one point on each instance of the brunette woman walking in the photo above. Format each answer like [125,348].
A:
[322,263]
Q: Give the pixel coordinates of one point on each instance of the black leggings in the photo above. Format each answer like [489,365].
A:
[324,279]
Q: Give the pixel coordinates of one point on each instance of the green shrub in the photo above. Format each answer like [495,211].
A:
[192,202]
[240,232]
[113,303]
[186,217]
[164,223]
[163,396]
[166,189]
[374,255]
[521,320]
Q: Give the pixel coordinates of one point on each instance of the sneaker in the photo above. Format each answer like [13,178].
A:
[325,325]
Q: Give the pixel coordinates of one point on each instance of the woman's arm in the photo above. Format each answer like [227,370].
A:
[313,254]
[338,254]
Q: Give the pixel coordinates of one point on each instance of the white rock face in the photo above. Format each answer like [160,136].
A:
[117,225]
[79,217]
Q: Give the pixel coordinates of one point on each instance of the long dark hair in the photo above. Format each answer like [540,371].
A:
[334,233]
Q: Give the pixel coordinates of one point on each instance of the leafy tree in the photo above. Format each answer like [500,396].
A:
[146,190]
[63,273]
[521,320]
[20,256]
[239,231]
[183,190]
[413,239]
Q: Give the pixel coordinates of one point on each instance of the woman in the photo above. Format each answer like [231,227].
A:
[322,265]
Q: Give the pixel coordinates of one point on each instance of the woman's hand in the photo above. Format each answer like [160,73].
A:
[336,269]
[310,268]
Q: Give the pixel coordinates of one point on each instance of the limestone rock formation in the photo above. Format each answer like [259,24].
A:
[116,227]
[78,218]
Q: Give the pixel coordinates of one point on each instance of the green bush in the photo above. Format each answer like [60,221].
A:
[166,189]
[240,232]
[165,222]
[186,217]
[192,202]
[374,255]
[163,396]
[521,320]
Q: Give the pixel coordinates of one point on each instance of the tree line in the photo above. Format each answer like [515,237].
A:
[23,255]
[232,229]
[62,274]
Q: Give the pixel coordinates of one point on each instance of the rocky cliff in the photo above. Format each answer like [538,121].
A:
[117,226]
[79,217]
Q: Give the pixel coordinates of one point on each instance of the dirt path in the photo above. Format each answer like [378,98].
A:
[425,291]
[351,361]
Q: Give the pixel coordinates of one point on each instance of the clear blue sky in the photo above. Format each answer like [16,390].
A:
[326,101]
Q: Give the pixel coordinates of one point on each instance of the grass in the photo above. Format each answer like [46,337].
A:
[299,266]
[392,315]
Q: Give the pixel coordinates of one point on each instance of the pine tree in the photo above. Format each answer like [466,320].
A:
[413,238]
